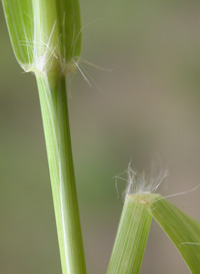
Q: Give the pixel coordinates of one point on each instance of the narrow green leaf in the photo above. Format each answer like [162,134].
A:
[131,237]
[70,29]
[181,229]
[19,17]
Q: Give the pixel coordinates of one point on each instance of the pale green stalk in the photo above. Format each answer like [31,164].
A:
[53,103]
[130,242]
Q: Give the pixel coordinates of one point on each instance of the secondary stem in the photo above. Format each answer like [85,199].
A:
[53,101]
[131,238]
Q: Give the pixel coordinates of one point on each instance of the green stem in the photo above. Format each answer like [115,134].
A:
[131,237]
[53,100]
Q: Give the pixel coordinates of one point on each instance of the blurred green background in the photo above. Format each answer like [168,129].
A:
[150,102]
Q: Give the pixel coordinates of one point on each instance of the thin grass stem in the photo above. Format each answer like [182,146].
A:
[53,100]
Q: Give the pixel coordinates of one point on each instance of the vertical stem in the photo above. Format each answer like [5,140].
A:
[53,100]
[131,238]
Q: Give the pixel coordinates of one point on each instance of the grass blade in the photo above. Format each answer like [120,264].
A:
[19,18]
[181,229]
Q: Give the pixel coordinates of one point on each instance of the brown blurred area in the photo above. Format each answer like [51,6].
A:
[149,102]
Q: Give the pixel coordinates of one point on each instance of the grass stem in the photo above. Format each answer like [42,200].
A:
[53,100]
[131,238]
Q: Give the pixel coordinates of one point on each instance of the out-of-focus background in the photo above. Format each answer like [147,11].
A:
[149,102]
